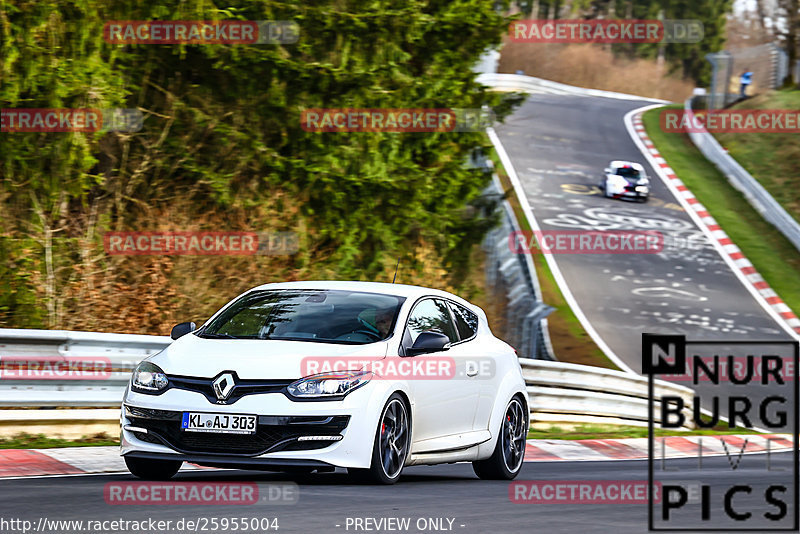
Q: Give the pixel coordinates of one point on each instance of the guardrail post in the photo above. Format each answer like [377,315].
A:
[720,79]
[537,348]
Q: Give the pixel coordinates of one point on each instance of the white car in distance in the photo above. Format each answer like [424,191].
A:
[625,179]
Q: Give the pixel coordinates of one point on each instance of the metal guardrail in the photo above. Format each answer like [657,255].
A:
[515,275]
[41,383]
[566,392]
[754,192]
[558,391]
[120,347]
[531,84]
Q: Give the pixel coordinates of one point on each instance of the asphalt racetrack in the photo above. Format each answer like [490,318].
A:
[428,496]
[559,146]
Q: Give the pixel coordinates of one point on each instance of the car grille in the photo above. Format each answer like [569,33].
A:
[273,433]
[240,389]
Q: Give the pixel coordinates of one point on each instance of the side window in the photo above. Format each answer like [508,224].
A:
[466,321]
[431,314]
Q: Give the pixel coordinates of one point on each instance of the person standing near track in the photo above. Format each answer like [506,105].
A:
[745,80]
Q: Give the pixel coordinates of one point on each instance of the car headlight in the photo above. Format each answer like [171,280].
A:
[149,378]
[642,188]
[327,385]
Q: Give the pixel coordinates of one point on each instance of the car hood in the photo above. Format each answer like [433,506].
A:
[626,179]
[253,358]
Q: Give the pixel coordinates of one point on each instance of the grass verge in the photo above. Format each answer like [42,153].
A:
[620,432]
[770,252]
[40,441]
[772,158]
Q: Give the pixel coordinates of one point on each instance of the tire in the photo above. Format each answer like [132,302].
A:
[505,463]
[147,469]
[388,455]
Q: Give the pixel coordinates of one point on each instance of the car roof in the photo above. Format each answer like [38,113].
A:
[621,163]
[400,290]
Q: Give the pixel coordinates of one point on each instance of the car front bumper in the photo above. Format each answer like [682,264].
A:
[633,194]
[281,423]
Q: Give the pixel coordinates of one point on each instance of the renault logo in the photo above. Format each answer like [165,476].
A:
[223,385]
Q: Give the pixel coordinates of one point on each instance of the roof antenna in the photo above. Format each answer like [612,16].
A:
[395,270]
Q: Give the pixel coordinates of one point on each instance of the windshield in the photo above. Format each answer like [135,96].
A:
[628,172]
[327,316]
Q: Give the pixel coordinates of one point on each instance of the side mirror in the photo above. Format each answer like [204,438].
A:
[608,170]
[181,329]
[429,342]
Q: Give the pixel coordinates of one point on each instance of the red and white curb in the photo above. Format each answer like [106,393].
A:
[548,450]
[737,258]
[65,461]
[19,463]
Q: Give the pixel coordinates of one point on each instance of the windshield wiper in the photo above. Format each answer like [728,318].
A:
[217,336]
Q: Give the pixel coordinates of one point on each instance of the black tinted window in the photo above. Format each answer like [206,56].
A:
[431,315]
[466,321]
[332,316]
[628,172]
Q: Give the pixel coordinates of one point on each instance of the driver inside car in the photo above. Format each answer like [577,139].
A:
[378,320]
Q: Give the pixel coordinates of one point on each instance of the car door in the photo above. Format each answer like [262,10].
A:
[481,364]
[443,405]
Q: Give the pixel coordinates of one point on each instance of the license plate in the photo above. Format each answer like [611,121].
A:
[223,423]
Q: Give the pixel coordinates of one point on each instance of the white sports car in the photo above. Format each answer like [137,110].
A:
[310,376]
[625,179]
